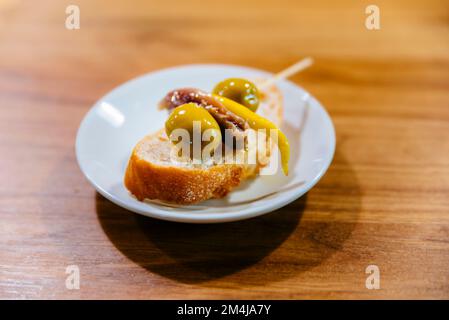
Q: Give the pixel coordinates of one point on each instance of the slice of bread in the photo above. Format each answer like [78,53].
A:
[152,175]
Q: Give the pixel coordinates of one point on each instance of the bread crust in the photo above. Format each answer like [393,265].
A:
[147,180]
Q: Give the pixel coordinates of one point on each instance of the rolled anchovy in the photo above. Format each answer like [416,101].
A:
[225,118]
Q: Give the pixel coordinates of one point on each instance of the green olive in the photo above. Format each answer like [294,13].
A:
[184,117]
[239,90]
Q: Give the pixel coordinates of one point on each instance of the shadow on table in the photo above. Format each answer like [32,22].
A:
[196,252]
[192,253]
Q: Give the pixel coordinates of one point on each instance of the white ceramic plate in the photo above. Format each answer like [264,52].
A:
[120,119]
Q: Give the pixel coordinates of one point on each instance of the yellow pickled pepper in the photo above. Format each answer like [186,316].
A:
[256,122]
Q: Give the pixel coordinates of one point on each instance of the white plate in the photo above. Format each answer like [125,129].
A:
[120,119]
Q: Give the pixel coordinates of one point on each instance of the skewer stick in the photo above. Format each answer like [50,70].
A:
[288,72]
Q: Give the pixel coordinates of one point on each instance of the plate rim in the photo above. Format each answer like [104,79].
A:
[205,218]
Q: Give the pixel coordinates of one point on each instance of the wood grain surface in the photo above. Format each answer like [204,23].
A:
[384,200]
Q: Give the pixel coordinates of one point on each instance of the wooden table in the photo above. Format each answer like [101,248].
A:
[384,200]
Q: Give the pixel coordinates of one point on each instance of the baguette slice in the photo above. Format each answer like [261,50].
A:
[152,175]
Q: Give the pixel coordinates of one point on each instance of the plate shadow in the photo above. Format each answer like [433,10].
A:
[193,253]
[252,252]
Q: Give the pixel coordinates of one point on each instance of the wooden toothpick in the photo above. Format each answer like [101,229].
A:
[288,72]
